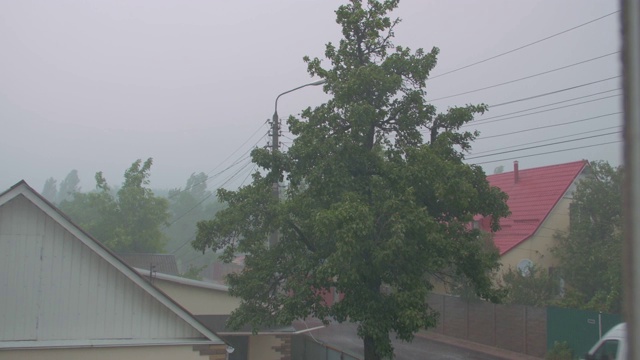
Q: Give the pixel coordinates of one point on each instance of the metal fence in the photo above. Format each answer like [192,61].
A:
[580,329]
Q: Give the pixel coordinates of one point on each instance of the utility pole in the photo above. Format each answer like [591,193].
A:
[630,18]
[275,147]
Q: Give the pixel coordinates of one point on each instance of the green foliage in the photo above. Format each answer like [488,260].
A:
[131,220]
[590,253]
[464,287]
[50,189]
[194,272]
[68,187]
[536,287]
[188,206]
[560,351]
[369,203]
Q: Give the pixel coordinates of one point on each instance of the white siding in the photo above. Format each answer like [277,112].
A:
[54,287]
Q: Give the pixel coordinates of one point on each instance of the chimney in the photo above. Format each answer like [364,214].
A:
[516,174]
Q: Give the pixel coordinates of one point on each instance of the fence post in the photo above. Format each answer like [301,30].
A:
[467,319]
[495,327]
[526,325]
[600,325]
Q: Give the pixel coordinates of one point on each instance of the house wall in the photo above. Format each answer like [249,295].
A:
[199,301]
[106,353]
[54,287]
[537,247]
[264,347]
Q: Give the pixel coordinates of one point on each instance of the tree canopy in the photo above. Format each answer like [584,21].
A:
[129,220]
[590,252]
[50,189]
[187,206]
[378,200]
[68,187]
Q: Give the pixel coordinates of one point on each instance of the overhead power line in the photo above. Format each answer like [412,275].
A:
[549,152]
[544,145]
[526,77]
[183,245]
[208,196]
[501,118]
[223,161]
[524,46]
[550,104]
[545,140]
[188,211]
[553,92]
[547,126]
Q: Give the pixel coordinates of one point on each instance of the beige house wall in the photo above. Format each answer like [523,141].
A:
[198,300]
[261,347]
[106,353]
[537,247]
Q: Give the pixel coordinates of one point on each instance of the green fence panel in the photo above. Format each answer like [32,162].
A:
[581,329]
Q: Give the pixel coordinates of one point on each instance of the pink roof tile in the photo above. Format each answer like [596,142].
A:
[531,199]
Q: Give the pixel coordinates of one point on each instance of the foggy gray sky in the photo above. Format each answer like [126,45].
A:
[95,85]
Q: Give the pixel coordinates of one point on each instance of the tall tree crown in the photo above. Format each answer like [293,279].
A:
[371,209]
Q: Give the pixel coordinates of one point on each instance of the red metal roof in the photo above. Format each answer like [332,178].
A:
[531,199]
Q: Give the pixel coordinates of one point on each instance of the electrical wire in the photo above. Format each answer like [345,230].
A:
[487,121]
[550,139]
[524,46]
[188,211]
[544,145]
[548,126]
[553,92]
[550,152]
[234,175]
[204,199]
[223,161]
[197,257]
[525,78]
[249,174]
[199,202]
[550,104]
[183,244]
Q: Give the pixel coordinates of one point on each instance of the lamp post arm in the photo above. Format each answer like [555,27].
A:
[275,143]
[315,83]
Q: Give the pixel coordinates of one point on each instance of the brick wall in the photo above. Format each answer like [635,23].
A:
[215,352]
[517,328]
[284,348]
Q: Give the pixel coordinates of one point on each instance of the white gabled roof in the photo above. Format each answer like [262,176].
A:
[63,288]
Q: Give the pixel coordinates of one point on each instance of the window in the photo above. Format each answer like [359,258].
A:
[607,351]
[476,225]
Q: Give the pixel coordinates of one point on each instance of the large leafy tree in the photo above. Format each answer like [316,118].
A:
[589,253]
[187,206]
[371,208]
[129,220]
[68,187]
[50,189]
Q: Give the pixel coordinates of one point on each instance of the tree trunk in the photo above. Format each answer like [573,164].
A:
[370,349]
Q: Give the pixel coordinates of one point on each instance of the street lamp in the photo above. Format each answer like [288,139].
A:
[275,144]
[275,126]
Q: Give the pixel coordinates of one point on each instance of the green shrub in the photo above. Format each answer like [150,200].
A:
[560,351]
